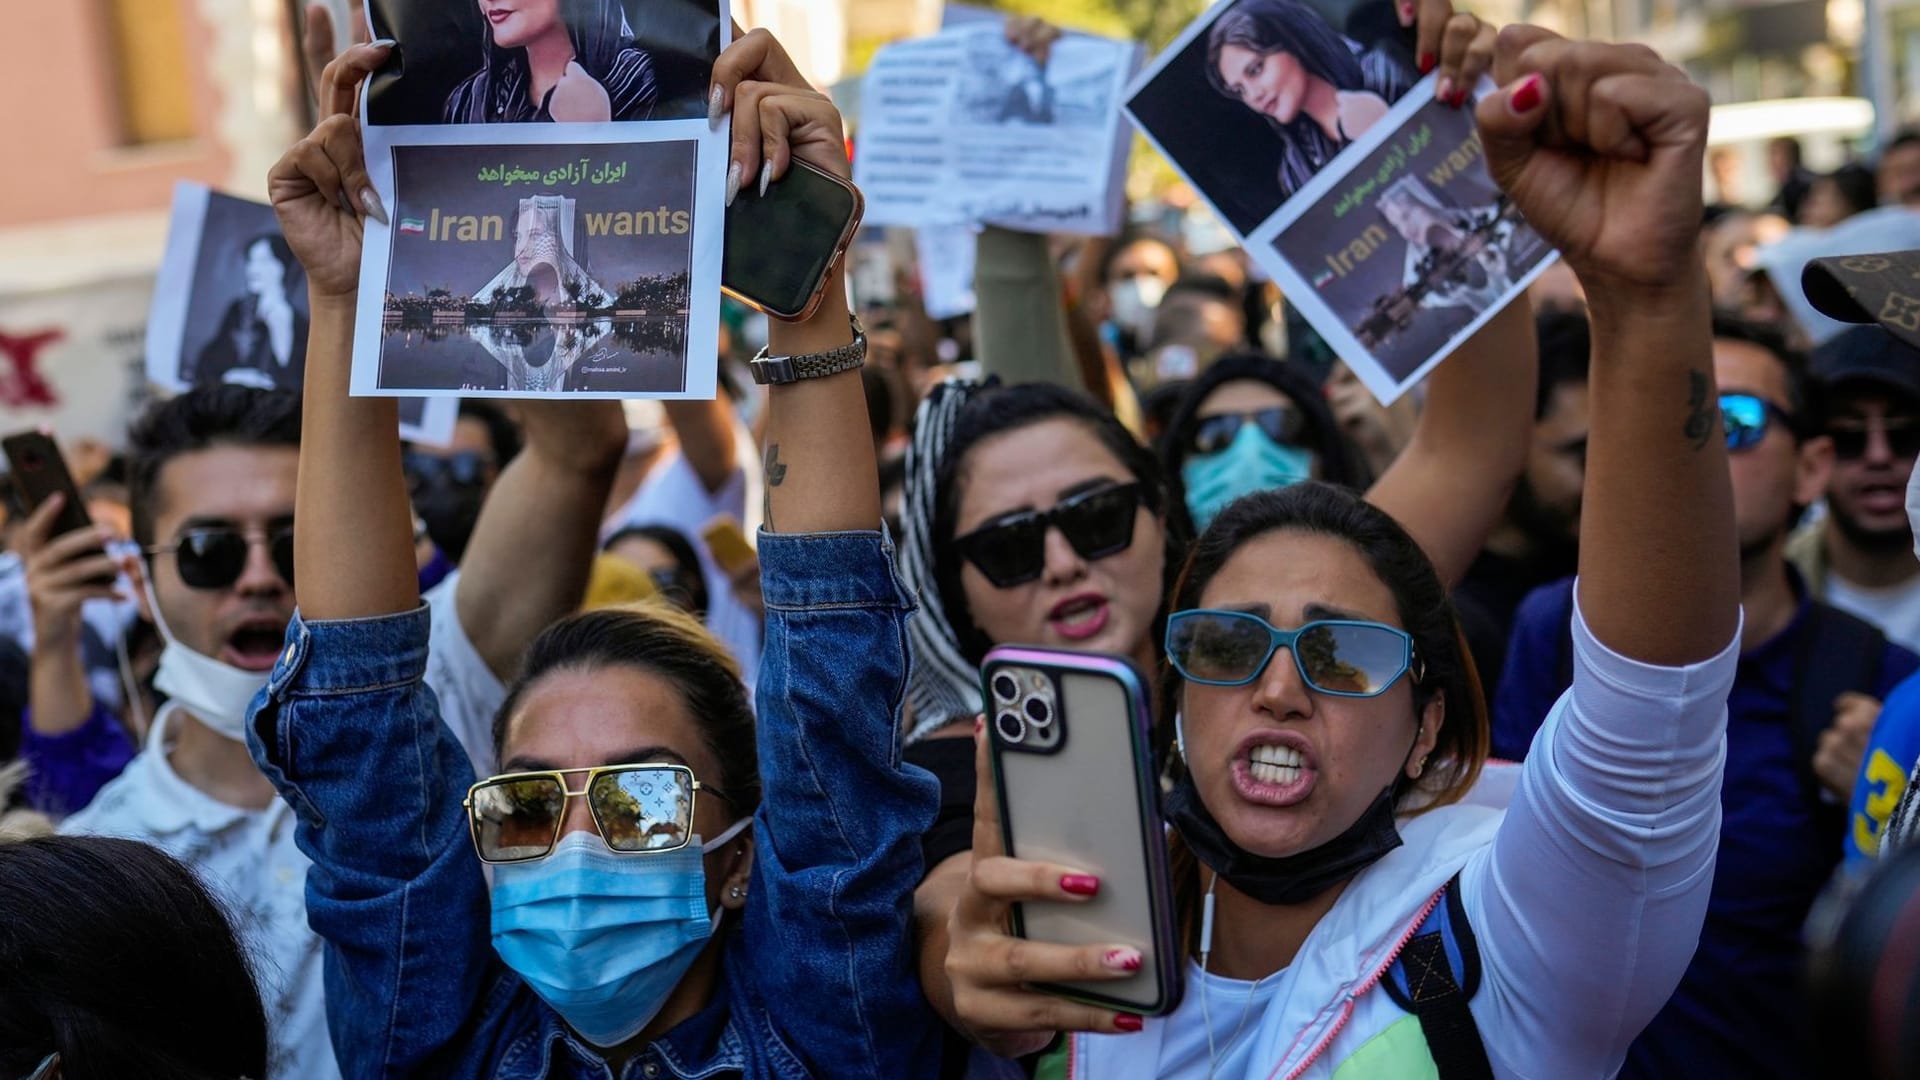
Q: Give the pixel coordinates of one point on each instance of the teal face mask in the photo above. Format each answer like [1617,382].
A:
[1252,462]
[603,937]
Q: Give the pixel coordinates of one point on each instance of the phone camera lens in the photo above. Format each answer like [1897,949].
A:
[1005,688]
[1011,727]
[1038,711]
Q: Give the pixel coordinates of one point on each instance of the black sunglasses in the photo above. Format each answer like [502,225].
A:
[1013,550]
[1850,437]
[1215,433]
[466,468]
[215,558]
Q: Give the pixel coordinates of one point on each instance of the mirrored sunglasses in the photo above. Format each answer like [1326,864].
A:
[637,809]
[1334,656]
[1283,425]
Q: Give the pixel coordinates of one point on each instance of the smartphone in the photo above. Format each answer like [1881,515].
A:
[39,472]
[781,247]
[1068,738]
[728,545]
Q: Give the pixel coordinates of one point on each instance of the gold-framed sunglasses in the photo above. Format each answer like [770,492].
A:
[641,809]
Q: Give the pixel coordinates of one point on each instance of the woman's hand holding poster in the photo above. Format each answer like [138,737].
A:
[1350,181]
[554,195]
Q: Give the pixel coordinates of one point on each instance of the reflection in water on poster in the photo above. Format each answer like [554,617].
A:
[533,354]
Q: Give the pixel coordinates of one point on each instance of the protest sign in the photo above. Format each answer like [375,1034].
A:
[961,128]
[1405,247]
[1305,126]
[230,307]
[554,229]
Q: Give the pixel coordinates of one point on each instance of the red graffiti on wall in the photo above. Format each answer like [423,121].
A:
[21,383]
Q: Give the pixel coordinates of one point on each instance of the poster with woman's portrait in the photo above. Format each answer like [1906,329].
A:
[1257,96]
[555,199]
[230,307]
[1399,254]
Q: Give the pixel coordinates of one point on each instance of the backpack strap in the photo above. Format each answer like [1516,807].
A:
[1836,652]
[1434,978]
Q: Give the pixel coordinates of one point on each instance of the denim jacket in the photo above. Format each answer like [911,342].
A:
[818,971]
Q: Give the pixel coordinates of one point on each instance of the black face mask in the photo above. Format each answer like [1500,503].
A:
[449,509]
[1290,879]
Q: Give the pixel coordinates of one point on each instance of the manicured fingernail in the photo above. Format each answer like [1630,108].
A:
[1080,884]
[382,43]
[1427,62]
[1443,90]
[1122,959]
[1128,1022]
[766,177]
[713,105]
[733,181]
[1526,96]
[371,201]
[1406,14]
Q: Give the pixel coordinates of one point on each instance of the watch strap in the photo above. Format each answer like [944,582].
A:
[777,370]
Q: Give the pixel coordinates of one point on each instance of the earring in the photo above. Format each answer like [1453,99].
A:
[1420,766]
[736,892]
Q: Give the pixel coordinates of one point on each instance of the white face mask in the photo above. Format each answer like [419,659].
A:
[216,693]
[1135,300]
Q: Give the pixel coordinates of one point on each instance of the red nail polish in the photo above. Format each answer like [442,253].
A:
[1128,1022]
[1122,960]
[1526,97]
[1080,884]
[1427,63]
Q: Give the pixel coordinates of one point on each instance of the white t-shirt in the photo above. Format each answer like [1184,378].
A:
[1230,1008]
[672,495]
[1895,610]
[250,859]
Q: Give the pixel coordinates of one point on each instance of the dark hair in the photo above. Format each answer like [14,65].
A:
[663,641]
[115,955]
[294,273]
[1420,600]
[684,557]
[1806,405]
[202,419]
[1903,139]
[1271,26]
[1338,463]
[1211,286]
[1856,185]
[1566,350]
[999,409]
[503,435]
[594,27]
[1425,611]
[1128,240]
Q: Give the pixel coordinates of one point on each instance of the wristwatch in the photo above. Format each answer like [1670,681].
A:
[780,370]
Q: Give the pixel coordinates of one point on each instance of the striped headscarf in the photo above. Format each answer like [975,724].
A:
[942,686]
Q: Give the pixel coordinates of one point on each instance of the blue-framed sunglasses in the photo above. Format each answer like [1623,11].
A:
[1342,657]
[1747,417]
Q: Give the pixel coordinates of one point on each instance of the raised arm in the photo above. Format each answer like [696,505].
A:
[705,431]
[837,835]
[533,545]
[348,732]
[1611,834]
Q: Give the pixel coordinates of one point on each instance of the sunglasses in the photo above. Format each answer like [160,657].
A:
[638,809]
[1747,419]
[1283,425]
[1013,550]
[1850,437]
[466,468]
[1345,658]
[215,558]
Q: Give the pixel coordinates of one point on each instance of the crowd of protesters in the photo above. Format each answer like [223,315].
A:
[536,772]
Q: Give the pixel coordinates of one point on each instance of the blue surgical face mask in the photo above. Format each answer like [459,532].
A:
[1251,462]
[602,937]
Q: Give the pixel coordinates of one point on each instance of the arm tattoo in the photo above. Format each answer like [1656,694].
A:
[776,475]
[1700,411]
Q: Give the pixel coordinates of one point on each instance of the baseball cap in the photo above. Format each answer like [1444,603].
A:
[1869,354]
